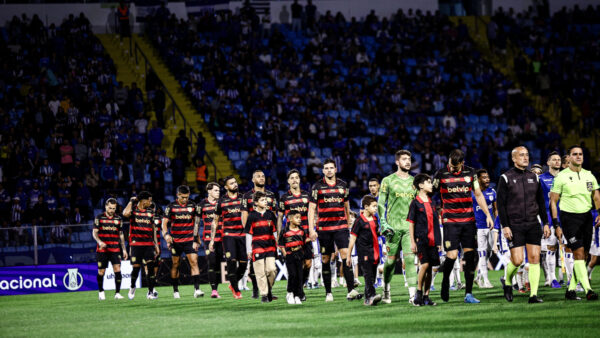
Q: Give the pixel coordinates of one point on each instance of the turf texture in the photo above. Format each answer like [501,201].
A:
[81,314]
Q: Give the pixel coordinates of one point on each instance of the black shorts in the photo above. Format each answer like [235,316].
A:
[142,254]
[104,257]
[235,248]
[526,234]
[577,229]
[218,246]
[183,247]
[308,251]
[330,239]
[463,235]
[428,254]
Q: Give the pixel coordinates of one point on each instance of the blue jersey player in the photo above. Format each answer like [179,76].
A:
[550,244]
[487,238]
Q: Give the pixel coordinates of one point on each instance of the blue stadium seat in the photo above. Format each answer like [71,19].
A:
[239,163]
[219,135]
[326,152]
[382,159]
[317,152]
[234,155]
[244,155]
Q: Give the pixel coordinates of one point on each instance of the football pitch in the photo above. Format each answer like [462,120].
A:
[81,314]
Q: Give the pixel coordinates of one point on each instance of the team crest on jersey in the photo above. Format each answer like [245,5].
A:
[448,244]
[468,179]
[305,200]
[590,186]
[133,259]
[207,252]
[341,191]
[99,264]
[190,209]
[227,254]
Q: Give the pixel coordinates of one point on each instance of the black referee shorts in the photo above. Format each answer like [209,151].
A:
[330,239]
[526,234]
[235,248]
[577,229]
[104,257]
[460,235]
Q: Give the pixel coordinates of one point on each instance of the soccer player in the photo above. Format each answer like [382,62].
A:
[108,233]
[328,213]
[425,237]
[364,234]
[296,199]
[142,240]
[180,227]
[374,187]
[575,187]
[521,206]
[258,179]
[208,208]
[485,235]
[261,244]
[455,184]
[292,242]
[396,194]
[550,244]
[229,209]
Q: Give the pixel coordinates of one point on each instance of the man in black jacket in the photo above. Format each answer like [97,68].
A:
[522,208]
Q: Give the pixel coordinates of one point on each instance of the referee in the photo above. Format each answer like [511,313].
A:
[521,208]
[575,187]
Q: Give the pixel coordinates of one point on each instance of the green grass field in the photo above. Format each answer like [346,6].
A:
[81,314]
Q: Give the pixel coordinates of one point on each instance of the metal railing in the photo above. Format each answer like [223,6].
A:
[175,107]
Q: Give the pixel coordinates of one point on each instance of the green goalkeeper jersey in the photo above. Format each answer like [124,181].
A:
[395,197]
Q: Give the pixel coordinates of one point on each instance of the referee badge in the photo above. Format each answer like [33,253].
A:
[590,186]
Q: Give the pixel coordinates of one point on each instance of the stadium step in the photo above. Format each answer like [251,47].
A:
[551,111]
[217,160]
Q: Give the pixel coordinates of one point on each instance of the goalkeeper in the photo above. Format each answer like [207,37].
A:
[397,192]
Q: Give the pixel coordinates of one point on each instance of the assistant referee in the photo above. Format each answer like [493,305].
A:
[521,207]
[575,187]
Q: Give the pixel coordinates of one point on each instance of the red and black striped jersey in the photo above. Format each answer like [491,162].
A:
[141,227]
[248,203]
[261,227]
[455,193]
[289,202]
[207,213]
[109,229]
[181,219]
[230,211]
[330,201]
[292,241]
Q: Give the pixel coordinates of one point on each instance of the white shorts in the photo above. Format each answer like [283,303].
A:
[552,240]
[354,260]
[595,249]
[503,243]
[485,238]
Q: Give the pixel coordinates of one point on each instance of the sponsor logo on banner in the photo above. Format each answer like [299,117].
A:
[126,269]
[21,280]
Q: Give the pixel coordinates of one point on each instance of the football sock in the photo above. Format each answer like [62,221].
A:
[388,270]
[510,270]
[327,277]
[470,270]
[534,278]
[582,276]
[196,279]
[348,276]
[118,279]
[100,279]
